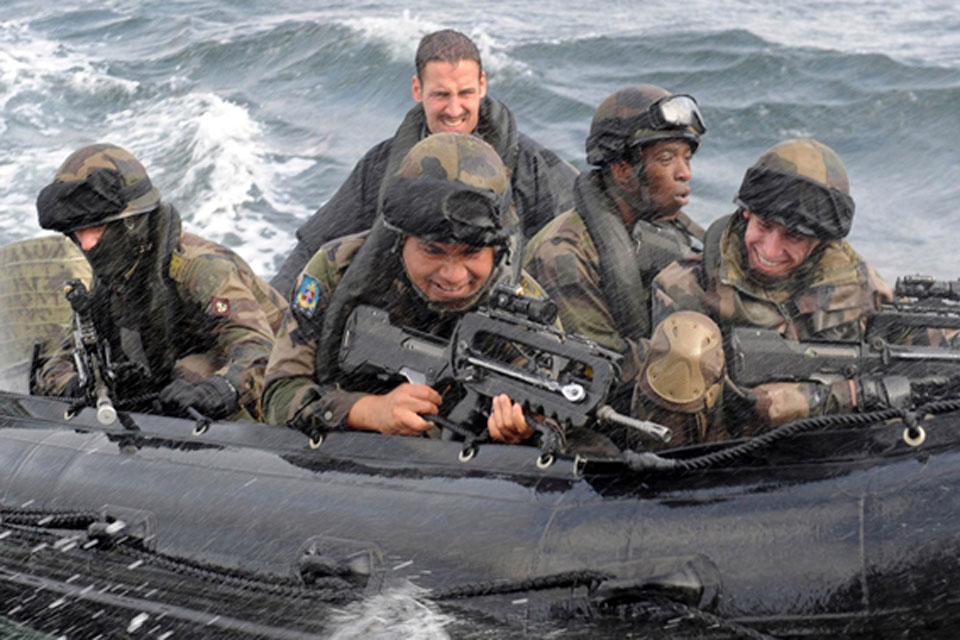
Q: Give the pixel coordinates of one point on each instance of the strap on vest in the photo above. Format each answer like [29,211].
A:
[711,248]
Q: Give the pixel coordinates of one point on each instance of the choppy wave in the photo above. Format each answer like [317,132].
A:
[250,116]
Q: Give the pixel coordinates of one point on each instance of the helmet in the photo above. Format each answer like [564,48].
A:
[638,115]
[96,184]
[450,187]
[803,185]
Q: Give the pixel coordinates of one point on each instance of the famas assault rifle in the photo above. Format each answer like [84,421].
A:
[758,356]
[509,347]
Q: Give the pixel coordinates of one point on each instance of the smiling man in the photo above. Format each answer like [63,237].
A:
[443,242]
[781,262]
[597,261]
[450,89]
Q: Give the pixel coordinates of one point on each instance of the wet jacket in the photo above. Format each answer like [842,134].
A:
[193,309]
[540,180]
[293,380]
[599,274]
[829,300]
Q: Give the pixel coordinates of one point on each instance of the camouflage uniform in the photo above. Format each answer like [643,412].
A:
[292,385]
[827,297]
[186,308]
[600,292]
[303,386]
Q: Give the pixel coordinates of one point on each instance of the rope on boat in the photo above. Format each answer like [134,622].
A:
[652,462]
[49,519]
[592,579]
[326,589]
[495,587]
[711,620]
[42,521]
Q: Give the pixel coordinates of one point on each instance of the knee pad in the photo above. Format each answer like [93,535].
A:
[683,368]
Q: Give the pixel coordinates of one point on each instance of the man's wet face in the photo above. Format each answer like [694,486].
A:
[772,249]
[667,167]
[450,94]
[447,272]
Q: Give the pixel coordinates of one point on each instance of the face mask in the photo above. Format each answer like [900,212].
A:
[115,256]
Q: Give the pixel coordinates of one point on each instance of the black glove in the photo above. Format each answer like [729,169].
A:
[214,397]
[883,392]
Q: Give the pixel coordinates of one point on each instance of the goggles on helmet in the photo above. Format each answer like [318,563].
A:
[679,111]
[673,112]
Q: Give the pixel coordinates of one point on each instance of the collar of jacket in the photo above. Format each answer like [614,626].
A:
[834,264]
[496,126]
[620,274]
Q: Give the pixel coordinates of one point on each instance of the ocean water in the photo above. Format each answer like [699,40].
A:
[249,114]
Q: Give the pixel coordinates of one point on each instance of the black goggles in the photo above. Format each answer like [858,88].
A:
[675,111]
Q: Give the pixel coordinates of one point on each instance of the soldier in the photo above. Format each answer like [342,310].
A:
[450,88]
[779,262]
[182,315]
[598,260]
[439,249]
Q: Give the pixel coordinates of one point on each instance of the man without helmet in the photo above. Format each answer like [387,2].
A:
[450,89]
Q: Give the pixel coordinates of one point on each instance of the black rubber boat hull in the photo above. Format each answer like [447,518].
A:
[852,529]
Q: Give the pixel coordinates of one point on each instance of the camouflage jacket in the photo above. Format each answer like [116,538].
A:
[831,303]
[293,392]
[221,319]
[540,179]
[564,259]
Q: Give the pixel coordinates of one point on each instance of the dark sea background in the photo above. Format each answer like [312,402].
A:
[249,114]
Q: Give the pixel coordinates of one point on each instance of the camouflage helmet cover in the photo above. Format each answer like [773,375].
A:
[621,122]
[450,187]
[801,184]
[96,184]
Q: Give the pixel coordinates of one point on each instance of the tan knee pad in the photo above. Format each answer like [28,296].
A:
[684,364]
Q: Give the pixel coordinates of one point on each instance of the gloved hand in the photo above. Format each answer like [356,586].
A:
[881,392]
[215,397]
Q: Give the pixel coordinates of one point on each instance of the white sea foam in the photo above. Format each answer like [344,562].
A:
[229,177]
[32,70]
[398,613]
[402,34]
[32,64]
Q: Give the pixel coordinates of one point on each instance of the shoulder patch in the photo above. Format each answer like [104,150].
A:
[307,295]
[220,307]
[176,266]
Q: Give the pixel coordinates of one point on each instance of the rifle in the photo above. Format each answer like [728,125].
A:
[508,347]
[922,302]
[758,356]
[90,355]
